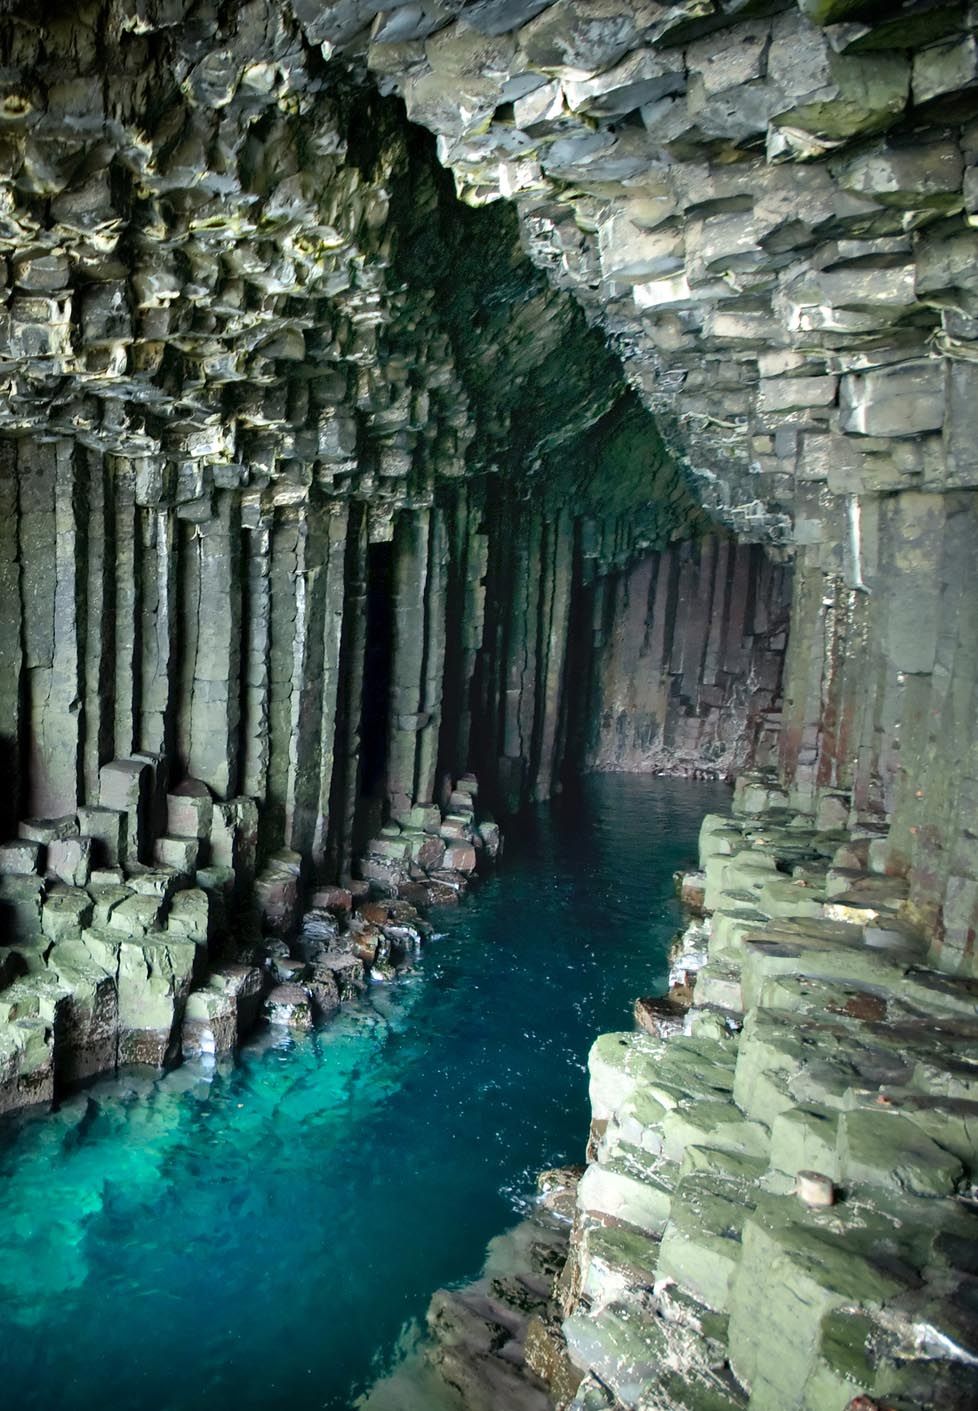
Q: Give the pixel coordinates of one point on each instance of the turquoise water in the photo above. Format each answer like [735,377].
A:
[261,1234]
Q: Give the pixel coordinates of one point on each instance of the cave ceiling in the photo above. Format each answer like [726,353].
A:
[232,264]
[231,261]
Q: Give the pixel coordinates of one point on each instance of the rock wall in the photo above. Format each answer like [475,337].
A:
[769,210]
[686,661]
[318,495]
[776,1210]
[306,478]
[881,703]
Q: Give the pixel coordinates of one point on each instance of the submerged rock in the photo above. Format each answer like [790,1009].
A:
[478,1335]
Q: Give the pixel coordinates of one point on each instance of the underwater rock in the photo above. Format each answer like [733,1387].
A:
[478,1336]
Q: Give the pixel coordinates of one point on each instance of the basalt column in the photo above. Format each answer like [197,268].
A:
[601,654]
[214,662]
[224,647]
[11,651]
[319,621]
[419,567]
[880,702]
[53,615]
[685,668]
[465,605]
[347,762]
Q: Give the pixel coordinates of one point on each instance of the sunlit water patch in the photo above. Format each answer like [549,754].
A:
[264,1234]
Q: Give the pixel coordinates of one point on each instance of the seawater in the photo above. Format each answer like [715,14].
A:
[266,1233]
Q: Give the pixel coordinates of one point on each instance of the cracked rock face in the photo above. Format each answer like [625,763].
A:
[770,215]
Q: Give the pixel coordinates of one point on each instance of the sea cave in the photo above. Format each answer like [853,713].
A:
[489,705]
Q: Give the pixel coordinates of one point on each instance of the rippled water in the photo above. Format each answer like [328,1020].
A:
[261,1235]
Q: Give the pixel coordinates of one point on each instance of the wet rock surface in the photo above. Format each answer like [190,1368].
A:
[146,965]
[497,1342]
[778,1209]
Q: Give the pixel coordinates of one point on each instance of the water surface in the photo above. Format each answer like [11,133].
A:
[261,1234]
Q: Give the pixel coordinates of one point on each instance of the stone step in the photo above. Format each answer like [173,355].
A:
[719,986]
[137,915]
[768,954]
[21,902]
[26,1063]
[189,811]
[48,830]
[613,1262]
[857,1348]
[882,1147]
[701,1244]
[801,1270]
[66,911]
[69,860]
[652,1352]
[20,859]
[630,1188]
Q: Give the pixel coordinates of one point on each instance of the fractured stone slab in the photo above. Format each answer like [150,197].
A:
[109,830]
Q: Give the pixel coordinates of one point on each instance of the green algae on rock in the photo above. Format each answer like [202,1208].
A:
[834,1055]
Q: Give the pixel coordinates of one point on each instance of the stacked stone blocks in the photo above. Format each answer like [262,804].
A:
[777,1208]
[106,960]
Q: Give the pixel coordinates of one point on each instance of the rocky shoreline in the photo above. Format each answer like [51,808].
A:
[131,963]
[778,1209]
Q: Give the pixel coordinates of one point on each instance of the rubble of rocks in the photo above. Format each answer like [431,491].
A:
[110,961]
[779,1206]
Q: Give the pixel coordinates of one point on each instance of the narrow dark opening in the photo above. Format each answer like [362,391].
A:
[377,671]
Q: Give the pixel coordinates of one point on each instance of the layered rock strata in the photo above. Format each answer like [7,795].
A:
[778,1210]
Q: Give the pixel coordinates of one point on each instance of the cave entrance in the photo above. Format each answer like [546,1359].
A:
[377,673]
